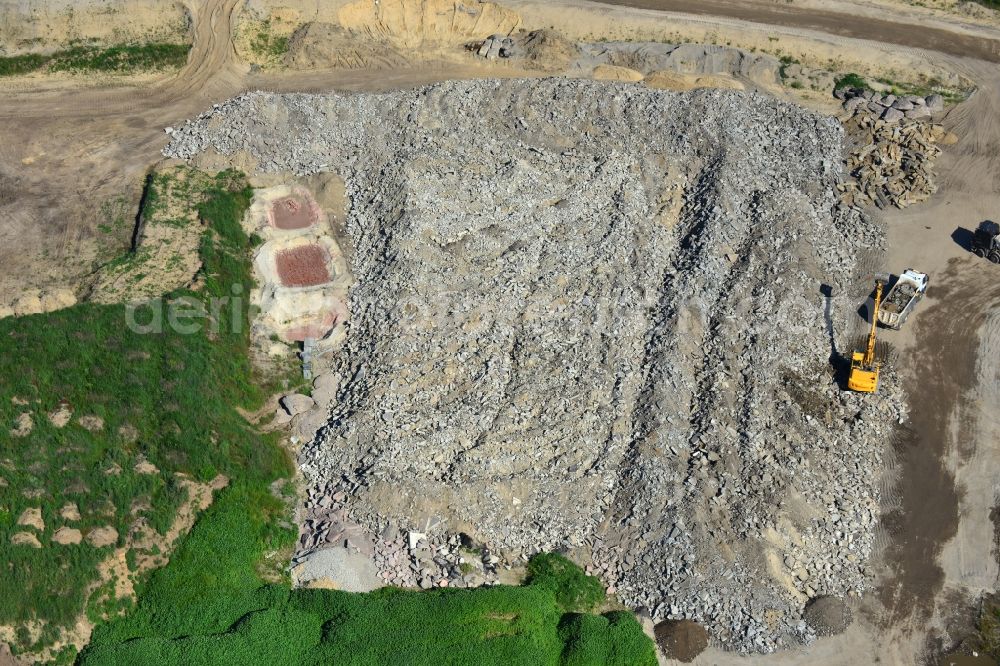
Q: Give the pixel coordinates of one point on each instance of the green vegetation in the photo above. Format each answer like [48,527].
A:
[572,588]
[900,88]
[786,61]
[123,59]
[992,4]
[22,64]
[609,639]
[851,81]
[162,397]
[268,45]
[195,612]
[988,627]
[933,86]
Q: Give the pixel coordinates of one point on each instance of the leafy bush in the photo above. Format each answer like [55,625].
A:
[501,626]
[207,607]
[786,61]
[574,590]
[851,81]
[612,639]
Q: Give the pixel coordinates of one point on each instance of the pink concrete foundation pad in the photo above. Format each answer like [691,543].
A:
[293,212]
[315,331]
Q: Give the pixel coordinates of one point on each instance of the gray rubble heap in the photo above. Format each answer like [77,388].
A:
[892,162]
[889,107]
[588,316]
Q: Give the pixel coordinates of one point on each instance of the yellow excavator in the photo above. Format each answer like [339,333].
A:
[864,367]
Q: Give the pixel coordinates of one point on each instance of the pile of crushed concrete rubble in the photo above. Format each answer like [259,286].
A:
[893,163]
[588,317]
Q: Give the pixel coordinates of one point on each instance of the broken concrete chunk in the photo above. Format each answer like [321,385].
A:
[892,115]
[308,423]
[329,381]
[296,403]
[414,538]
[853,103]
[281,416]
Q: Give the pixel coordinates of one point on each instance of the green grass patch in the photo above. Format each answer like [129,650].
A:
[163,396]
[264,42]
[901,88]
[122,59]
[851,81]
[22,64]
[572,588]
[786,62]
[931,87]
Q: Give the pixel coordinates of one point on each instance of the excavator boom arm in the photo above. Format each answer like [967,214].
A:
[870,349]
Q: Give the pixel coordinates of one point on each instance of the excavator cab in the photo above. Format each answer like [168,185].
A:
[863,378]
[864,367]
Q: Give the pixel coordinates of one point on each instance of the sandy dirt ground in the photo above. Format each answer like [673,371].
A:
[830,21]
[67,149]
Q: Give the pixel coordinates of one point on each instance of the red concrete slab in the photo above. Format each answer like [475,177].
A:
[303,266]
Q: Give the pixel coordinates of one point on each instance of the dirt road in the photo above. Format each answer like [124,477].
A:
[832,23]
[943,550]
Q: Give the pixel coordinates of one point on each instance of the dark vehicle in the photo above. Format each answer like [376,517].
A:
[985,242]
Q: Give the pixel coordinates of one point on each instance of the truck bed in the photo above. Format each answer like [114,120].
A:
[902,298]
[899,296]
